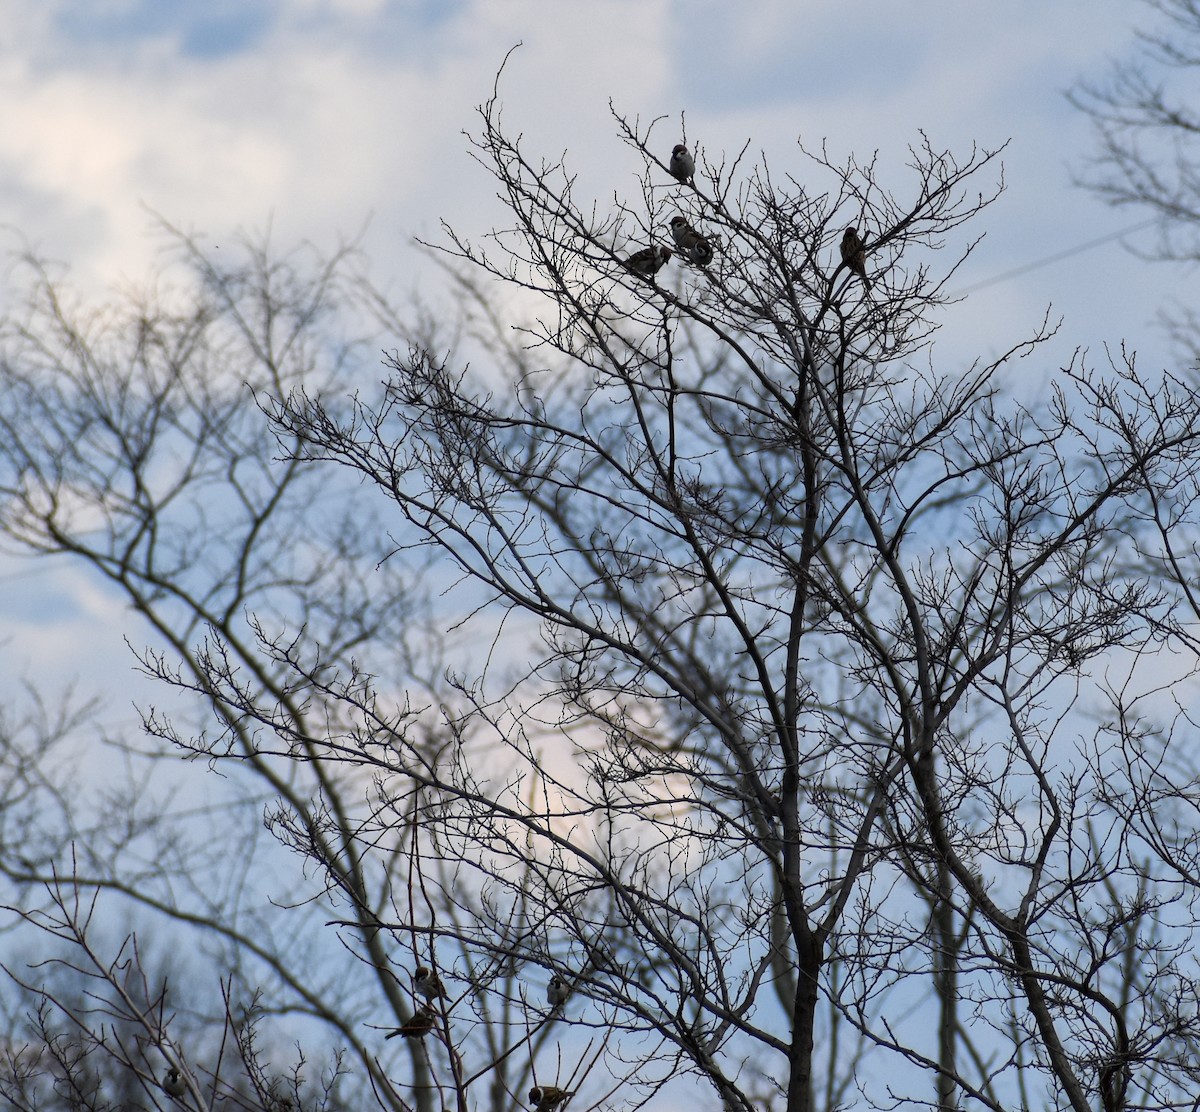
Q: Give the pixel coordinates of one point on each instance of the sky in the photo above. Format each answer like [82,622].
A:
[324,119]
[330,119]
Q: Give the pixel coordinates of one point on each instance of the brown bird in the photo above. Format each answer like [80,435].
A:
[428,983]
[648,261]
[422,1022]
[854,256]
[545,1098]
[682,165]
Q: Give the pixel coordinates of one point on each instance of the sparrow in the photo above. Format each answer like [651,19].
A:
[692,245]
[854,256]
[419,1026]
[428,983]
[173,1085]
[682,164]
[557,992]
[648,261]
[545,1098]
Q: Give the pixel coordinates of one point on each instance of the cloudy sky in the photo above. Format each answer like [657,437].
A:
[320,116]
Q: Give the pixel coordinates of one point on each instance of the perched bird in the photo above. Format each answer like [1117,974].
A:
[682,164]
[422,1022]
[692,245]
[428,983]
[557,992]
[545,1098]
[854,256]
[173,1084]
[648,261]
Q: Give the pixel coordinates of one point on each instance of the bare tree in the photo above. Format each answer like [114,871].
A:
[1147,127]
[94,1032]
[816,628]
[811,732]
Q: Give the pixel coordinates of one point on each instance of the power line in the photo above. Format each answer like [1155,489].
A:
[1077,250]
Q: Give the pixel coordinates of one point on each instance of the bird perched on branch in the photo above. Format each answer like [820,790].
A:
[428,983]
[682,164]
[692,245]
[557,991]
[545,1098]
[422,1022]
[648,261]
[854,256]
[173,1084]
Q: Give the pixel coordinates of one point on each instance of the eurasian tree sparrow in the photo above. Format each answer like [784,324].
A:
[545,1098]
[682,165]
[422,1022]
[557,991]
[428,983]
[854,256]
[648,261]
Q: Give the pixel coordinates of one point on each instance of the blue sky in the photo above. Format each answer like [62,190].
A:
[320,116]
[209,30]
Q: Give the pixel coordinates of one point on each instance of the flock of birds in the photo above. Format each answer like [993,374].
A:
[429,985]
[700,250]
[543,1098]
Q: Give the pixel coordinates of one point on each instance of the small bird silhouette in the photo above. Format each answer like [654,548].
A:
[854,256]
[545,1098]
[692,245]
[648,261]
[682,165]
[173,1085]
[428,983]
[557,991]
[422,1022]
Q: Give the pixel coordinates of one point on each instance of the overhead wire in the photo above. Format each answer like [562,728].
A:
[1056,257]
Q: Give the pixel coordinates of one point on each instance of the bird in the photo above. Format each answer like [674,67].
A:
[854,256]
[692,245]
[648,261]
[682,164]
[557,992]
[419,1026]
[428,983]
[545,1098]
[173,1084]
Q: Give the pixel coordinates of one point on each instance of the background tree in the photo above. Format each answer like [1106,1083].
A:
[90,1033]
[1148,141]
[132,445]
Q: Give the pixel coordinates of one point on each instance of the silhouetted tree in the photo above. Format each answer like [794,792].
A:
[722,697]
